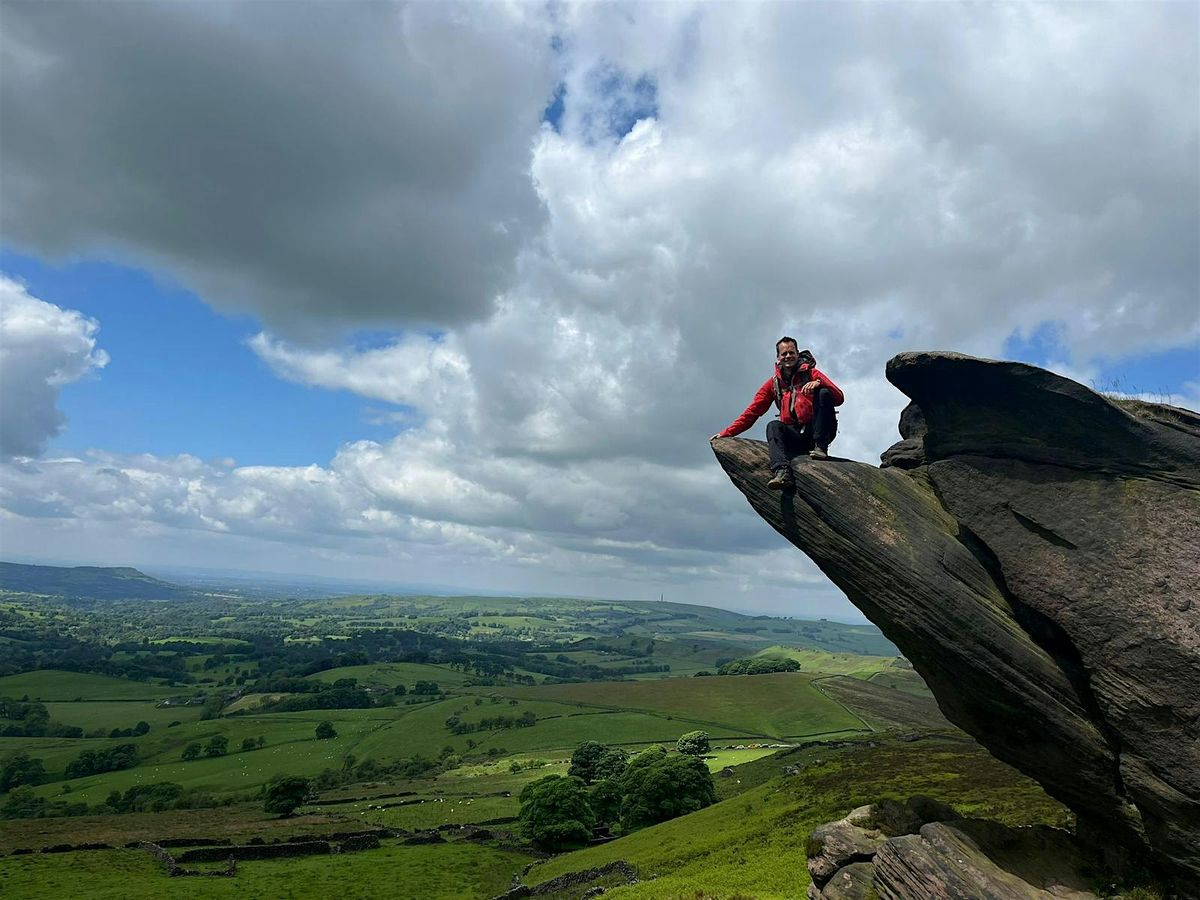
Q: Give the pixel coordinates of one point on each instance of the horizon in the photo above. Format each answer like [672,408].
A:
[448,592]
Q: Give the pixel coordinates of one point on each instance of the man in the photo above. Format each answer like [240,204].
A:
[806,397]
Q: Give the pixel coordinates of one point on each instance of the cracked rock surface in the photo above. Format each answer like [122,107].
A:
[1033,548]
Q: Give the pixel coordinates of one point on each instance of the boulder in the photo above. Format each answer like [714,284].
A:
[974,858]
[854,882]
[1032,547]
[838,844]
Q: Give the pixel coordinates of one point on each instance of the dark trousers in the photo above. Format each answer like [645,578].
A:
[787,441]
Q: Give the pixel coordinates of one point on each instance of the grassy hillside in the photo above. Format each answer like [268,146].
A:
[852,664]
[90,582]
[455,871]
[752,844]
[51,684]
[777,706]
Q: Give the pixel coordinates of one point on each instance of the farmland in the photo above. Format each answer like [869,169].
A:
[437,712]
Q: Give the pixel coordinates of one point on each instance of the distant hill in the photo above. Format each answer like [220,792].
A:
[88,582]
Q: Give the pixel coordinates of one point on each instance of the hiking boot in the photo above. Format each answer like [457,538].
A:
[782,480]
[818,452]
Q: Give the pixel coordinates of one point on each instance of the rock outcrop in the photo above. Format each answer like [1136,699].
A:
[1033,548]
[925,850]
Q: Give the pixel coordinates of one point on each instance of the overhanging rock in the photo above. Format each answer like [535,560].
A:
[1034,549]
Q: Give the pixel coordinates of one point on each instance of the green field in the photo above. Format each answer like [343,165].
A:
[429,811]
[52,684]
[441,872]
[391,674]
[818,661]
[90,714]
[750,845]
[777,706]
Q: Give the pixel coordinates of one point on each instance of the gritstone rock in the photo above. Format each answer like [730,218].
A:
[1033,548]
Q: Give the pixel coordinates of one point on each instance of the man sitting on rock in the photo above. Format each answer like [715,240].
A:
[806,397]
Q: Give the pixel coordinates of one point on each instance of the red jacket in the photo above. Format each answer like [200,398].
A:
[791,399]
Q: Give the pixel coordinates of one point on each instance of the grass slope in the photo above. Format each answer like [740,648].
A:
[777,706]
[752,844]
[884,707]
[818,661]
[54,684]
[455,871]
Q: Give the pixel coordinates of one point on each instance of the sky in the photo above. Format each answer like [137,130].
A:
[456,293]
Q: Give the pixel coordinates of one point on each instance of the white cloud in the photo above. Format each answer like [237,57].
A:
[795,168]
[42,348]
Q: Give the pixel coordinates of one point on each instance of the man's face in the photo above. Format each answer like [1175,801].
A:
[787,355]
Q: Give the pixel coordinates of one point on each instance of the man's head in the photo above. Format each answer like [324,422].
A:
[787,351]
[788,355]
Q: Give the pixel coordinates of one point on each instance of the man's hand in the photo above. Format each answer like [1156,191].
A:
[714,437]
[809,387]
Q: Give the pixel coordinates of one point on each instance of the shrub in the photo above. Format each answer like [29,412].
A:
[190,752]
[284,793]
[326,730]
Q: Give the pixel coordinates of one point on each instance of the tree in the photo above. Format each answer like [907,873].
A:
[284,793]
[694,743]
[593,761]
[555,812]
[217,746]
[141,728]
[656,787]
[190,752]
[605,800]
[326,730]
[19,769]
[249,744]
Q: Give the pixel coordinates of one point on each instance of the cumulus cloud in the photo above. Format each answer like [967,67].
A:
[42,348]
[322,165]
[713,176]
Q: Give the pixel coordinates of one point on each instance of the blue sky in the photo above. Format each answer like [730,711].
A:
[181,378]
[463,297]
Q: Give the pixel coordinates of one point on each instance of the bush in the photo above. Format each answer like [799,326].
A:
[694,743]
[555,812]
[190,752]
[284,793]
[326,730]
